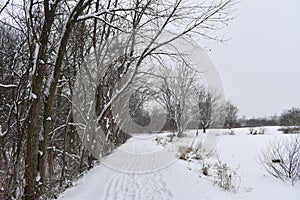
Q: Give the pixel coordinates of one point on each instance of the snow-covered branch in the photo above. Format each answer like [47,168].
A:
[8,85]
[105,11]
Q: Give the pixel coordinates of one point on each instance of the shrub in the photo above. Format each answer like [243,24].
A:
[183,152]
[251,131]
[229,132]
[160,140]
[219,173]
[171,136]
[259,131]
[281,159]
[226,177]
[205,170]
[202,151]
[196,150]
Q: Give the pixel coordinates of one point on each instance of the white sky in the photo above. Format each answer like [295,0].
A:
[260,65]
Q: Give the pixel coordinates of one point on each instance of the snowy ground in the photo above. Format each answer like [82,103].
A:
[142,169]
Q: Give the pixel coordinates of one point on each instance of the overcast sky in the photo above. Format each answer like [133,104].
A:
[260,65]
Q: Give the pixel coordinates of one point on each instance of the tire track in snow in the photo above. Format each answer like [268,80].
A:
[138,186]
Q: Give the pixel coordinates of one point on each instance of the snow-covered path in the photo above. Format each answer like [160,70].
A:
[141,170]
[133,171]
[136,167]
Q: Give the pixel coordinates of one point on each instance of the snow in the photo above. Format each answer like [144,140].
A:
[35,57]
[38,177]
[7,85]
[33,96]
[49,119]
[2,134]
[48,84]
[142,169]
[41,137]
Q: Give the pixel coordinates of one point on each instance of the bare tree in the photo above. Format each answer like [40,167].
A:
[281,159]
[13,110]
[175,92]
[208,107]
[231,114]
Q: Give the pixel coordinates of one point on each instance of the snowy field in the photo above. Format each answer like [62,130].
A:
[144,168]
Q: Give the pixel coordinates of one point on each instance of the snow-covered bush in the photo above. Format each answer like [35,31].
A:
[194,151]
[171,136]
[257,131]
[251,130]
[161,140]
[229,132]
[281,159]
[184,152]
[203,151]
[211,167]
[261,130]
[226,177]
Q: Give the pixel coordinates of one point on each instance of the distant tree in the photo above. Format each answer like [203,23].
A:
[175,92]
[231,115]
[290,117]
[208,108]
[137,111]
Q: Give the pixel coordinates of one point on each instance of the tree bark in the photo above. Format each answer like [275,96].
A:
[52,91]
[32,145]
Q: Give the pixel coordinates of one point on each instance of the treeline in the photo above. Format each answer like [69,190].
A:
[289,117]
[259,121]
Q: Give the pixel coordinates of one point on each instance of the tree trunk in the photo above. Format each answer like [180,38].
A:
[63,168]
[180,132]
[32,145]
[52,90]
